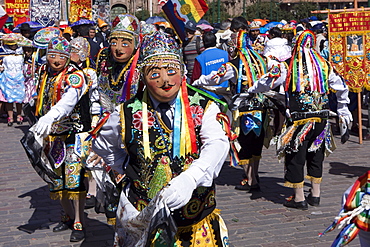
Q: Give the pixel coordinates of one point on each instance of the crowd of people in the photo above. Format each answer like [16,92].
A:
[141,122]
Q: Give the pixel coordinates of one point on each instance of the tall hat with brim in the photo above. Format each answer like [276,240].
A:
[81,46]
[60,46]
[126,26]
[43,36]
[11,38]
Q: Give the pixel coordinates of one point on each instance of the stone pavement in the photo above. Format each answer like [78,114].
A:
[28,215]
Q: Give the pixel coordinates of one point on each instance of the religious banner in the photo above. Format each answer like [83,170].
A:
[18,9]
[45,12]
[101,9]
[79,9]
[349,44]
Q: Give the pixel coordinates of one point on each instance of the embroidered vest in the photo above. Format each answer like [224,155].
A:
[79,120]
[147,177]
[112,87]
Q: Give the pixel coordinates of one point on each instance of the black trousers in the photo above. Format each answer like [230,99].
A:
[251,144]
[295,161]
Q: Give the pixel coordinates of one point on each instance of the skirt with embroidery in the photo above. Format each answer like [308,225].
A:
[67,163]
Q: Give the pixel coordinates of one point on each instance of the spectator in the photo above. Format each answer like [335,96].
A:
[193,46]
[25,30]
[83,31]
[103,33]
[210,60]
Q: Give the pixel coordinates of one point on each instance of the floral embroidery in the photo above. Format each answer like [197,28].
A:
[197,114]
[138,120]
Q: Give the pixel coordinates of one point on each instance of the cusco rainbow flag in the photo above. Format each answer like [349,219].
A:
[179,12]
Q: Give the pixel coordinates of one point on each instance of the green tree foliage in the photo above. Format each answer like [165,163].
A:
[273,11]
[266,10]
[142,15]
[303,10]
[211,15]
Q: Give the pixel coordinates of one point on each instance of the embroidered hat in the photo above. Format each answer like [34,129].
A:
[126,26]
[81,46]
[147,29]
[11,38]
[160,46]
[25,42]
[255,25]
[43,36]
[59,45]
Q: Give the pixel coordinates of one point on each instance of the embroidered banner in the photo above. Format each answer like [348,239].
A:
[349,44]
[101,9]
[45,12]
[79,9]
[18,9]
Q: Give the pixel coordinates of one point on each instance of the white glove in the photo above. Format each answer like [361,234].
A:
[345,113]
[43,126]
[179,191]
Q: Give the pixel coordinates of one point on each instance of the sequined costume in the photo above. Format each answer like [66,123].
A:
[65,91]
[136,139]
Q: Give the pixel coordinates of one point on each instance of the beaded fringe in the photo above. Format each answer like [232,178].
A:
[245,162]
[314,180]
[294,185]
[71,195]
[111,221]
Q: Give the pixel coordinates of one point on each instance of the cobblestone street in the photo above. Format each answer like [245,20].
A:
[28,214]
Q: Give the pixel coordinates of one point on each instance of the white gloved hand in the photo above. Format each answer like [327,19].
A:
[179,191]
[345,113]
[43,126]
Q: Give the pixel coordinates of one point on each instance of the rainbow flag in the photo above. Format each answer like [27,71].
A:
[179,12]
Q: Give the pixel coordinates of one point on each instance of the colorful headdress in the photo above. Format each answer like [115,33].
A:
[126,26]
[59,45]
[81,46]
[148,29]
[11,38]
[254,65]
[24,42]
[101,23]
[43,36]
[255,25]
[355,214]
[307,66]
[68,30]
[160,46]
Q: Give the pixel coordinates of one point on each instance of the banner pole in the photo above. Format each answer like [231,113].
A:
[359,108]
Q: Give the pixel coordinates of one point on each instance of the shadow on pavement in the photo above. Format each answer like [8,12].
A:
[40,201]
[349,171]
[98,234]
